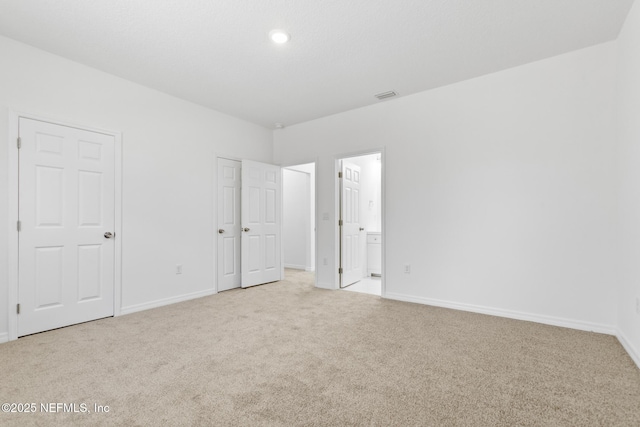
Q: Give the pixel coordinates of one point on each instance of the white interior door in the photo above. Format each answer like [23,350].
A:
[229,184]
[350,260]
[261,221]
[66,207]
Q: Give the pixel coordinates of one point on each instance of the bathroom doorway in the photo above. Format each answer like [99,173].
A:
[360,223]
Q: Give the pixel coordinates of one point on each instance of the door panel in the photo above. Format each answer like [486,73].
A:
[90,201]
[89,272]
[66,204]
[350,230]
[49,196]
[261,221]
[253,254]
[49,277]
[229,177]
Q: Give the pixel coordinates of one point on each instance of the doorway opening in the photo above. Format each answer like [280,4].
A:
[360,223]
[299,222]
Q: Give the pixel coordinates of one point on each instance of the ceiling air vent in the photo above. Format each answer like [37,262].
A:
[385,95]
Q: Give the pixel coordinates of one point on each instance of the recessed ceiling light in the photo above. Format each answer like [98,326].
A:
[279,125]
[279,36]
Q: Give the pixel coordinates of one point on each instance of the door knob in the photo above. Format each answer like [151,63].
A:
[361,229]
[220,231]
[108,235]
[245,229]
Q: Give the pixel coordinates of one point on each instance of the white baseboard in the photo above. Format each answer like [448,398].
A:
[309,269]
[530,317]
[631,350]
[295,266]
[166,301]
[4,337]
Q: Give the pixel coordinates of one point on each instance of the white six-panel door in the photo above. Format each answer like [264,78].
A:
[229,184]
[350,229]
[261,221]
[66,205]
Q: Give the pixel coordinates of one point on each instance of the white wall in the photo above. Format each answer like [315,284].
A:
[296,218]
[628,113]
[169,147]
[499,190]
[310,170]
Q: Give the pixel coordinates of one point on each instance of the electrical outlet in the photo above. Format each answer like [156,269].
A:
[407,268]
[325,261]
[178,268]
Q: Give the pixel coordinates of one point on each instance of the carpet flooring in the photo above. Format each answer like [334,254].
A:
[289,354]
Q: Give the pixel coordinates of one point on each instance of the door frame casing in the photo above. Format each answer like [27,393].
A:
[337,159]
[13,204]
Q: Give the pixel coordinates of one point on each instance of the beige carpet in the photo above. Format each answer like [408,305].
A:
[287,354]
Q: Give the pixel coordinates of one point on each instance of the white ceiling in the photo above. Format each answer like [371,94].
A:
[217,52]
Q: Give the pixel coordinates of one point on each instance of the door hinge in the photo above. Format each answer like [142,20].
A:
[339,174]
[19,226]
[340,270]
[18,308]
[340,223]
[19,143]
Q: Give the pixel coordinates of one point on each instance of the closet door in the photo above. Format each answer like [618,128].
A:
[67,215]
[261,220]
[229,232]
